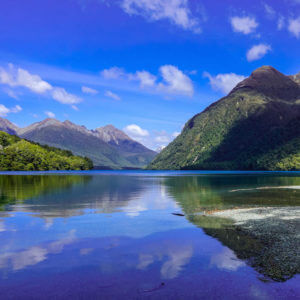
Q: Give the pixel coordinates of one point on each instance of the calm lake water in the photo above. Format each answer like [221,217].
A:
[113,235]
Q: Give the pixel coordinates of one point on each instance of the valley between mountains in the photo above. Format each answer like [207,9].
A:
[255,127]
[108,147]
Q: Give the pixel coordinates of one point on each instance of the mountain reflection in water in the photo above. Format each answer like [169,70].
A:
[115,234]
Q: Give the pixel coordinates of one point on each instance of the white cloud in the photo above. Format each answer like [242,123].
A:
[176,11]
[258,52]
[224,82]
[162,139]
[227,260]
[294,27]
[112,95]
[175,134]
[155,140]
[244,25]
[112,73]
[145,78]
[49,114]
[17,77]
[16,109]
[32,82]
[88,90]
[136,131]
[21,259]
[4,111]
[62,96]
[175,81]
[20,77]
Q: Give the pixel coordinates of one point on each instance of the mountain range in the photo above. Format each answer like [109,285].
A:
[255,127]
[107,147]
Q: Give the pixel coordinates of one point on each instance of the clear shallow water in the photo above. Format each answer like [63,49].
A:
[113,235]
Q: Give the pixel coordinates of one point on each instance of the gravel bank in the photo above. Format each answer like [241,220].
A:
[278,230]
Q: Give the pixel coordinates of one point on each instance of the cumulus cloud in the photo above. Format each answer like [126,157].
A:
[145,78]
[62,96]
[175,81]
[136,131]
[18,77]
[258,52]
[22,78]
[49,114]
[224,82]
[294,27]
[176,11]
[155,140]
[112,95]
[244,25]
[4,111]
[32,82]
[88,90]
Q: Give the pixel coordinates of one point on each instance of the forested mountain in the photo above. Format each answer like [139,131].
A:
[19,154]
[107,147]
[255,127]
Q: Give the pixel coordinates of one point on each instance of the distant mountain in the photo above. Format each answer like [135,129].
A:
[134,152]
[255,127]
[8,126]
[108,147]
[296,78]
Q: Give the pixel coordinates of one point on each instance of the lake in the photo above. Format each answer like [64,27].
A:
[142,235]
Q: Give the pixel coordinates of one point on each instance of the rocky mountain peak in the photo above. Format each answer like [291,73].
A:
[296,78]
[110,133]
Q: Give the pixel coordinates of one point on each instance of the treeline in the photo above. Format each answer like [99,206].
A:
[17,154]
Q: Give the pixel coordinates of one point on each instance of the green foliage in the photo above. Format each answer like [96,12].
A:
[22,155]
[246,130]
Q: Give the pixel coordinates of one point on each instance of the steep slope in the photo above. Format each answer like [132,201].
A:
[108,147]
[134,152]
[257,126]
[78,139]
[8,126]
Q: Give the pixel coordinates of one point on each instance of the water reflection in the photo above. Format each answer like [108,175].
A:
[273,253]
[103,231]
[199,193]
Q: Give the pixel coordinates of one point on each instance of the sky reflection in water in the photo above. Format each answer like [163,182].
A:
[101,235]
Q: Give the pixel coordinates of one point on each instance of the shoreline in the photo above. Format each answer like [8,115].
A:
[276,233]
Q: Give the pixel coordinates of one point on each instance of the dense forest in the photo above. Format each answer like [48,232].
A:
[255,127]
[22,155]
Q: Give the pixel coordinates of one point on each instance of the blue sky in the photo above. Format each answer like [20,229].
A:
[145,66]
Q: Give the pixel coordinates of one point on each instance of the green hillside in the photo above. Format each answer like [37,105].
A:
[256,127]
[22,155]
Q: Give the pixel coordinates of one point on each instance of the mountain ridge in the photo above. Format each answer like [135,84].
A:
[255,127]
[107,146]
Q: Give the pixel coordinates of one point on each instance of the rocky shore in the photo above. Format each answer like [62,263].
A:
[276,232]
